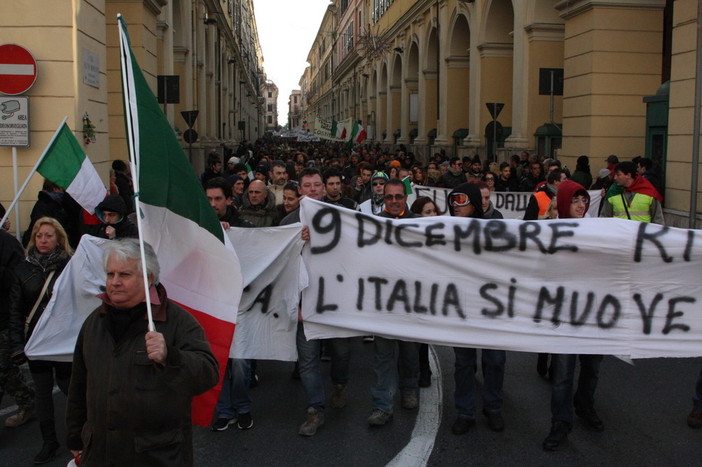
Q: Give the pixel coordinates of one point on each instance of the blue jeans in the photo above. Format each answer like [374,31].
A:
[562,398]
[493,363]
[340,359]
[308,358]
[235,398]
[386,370]
[697,398]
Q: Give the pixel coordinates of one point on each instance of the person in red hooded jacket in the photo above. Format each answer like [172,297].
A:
[572,201]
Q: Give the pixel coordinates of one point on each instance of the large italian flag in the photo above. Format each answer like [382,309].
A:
[199,271]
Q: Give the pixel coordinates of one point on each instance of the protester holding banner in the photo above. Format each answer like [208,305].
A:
[573,202]
[465,201]
[131,391]
[489,211]
[391,355]
[33,280]
[309,351]
[424,207]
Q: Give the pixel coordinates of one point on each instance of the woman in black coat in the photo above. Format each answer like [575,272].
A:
[47,251]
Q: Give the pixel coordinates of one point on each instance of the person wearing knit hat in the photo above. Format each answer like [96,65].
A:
[114,223]
[573,202]
[465,201]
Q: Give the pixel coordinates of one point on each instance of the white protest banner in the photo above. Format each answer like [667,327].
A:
[597,286]
[74,298]
[266,324]
[323,129]
[510,204]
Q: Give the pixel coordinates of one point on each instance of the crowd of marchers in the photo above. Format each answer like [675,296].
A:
[260,185]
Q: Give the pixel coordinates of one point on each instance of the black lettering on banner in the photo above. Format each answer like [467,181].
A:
[688,245]
[499,200]
[473,228]
[334,225]
[434,239]
[544,299]
[400,241]
[451,299]
[608,301]
[418,307]
[510,297]
[499,307]
[388,232]
[361,292]
[557,233]
[509,202]
[530,231]
[432,301]
[579,320]
[653,238]
[264,298]
[497,230]
[378,283]
[673,313]
[399,294]
[374,237]
[647,314]
[321,307]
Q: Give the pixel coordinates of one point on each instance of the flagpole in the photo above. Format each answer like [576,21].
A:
[127,92]
[32,172]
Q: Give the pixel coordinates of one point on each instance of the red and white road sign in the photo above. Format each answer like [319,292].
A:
[18,69]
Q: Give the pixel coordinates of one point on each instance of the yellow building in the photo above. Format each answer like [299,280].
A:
[206,53]
[569,77]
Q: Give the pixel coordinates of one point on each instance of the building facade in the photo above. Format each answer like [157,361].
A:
[204,54]
[494,78]
[270,94]
[295,120]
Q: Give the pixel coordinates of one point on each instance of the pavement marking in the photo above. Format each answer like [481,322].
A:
[426,426]
[13,408]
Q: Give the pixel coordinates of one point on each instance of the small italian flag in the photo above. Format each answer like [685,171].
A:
[199,268]
[65,163]
[338,129]
[358,133]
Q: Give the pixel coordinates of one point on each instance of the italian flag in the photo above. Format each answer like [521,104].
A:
[200,272]
[338,129]
[65,163]
[358,133]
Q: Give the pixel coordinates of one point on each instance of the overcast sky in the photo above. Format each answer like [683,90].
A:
[286,29]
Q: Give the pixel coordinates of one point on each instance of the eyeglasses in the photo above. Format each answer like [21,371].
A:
[489,179]
[396,197]
[459,199]
[378,183]
[580,201]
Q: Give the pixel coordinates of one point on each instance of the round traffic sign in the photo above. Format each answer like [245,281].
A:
[190,136]
[18,69]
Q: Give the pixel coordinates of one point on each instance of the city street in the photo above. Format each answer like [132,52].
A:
[644,408]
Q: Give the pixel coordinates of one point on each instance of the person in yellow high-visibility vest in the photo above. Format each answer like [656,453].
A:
[639,200]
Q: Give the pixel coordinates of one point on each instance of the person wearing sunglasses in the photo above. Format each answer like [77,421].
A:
[386,350]
[465,201]
[377,200]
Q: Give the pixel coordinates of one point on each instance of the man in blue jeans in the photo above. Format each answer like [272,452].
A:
[465,201]
[234,404]
[308,351]
[394,357]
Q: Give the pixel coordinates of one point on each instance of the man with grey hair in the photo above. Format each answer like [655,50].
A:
[131,388]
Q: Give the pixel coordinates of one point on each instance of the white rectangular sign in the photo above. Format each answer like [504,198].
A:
[597,286]
[14,121]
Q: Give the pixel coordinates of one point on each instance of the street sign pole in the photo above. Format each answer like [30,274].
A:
[16,183]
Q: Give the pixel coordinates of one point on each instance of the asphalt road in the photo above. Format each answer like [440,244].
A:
[644,408]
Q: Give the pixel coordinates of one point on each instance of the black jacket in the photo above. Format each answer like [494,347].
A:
[11,254]
[27,281]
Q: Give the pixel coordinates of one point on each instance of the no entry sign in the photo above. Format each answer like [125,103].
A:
[18,69]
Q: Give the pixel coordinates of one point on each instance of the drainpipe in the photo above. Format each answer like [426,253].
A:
[696,129]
